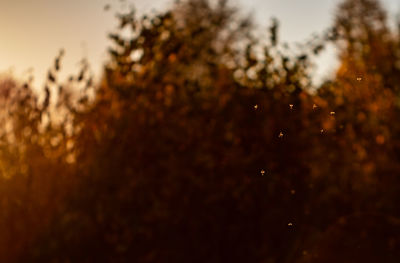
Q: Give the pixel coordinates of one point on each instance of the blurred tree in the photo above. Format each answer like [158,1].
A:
[172,147]
[359,173]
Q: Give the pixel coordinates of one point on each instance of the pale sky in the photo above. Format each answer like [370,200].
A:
[33,31]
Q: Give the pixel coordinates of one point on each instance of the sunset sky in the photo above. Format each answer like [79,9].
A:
[33,31]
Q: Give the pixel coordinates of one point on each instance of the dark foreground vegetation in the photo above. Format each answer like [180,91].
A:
[206,141]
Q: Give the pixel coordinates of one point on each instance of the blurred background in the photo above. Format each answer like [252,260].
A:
[33,32]
[200,131]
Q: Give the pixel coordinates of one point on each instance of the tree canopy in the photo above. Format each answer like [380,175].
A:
[206,142]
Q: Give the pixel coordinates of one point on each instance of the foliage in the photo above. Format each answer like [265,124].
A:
[205,143]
